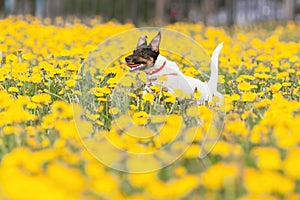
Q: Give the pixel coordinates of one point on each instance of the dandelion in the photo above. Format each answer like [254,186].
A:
[249,96]
[114,111]
[148,97]
[140,118]
[197,95]
[286,84]
[235,97]
[127,81]
[291,162]
[192,111]
[9,130]
[221,79]
[72,68]
[180,171]
[244,86]
[133,107]
[263,103]
[276,87]
[70,83]
[13,89]
[32,105]
[179,93]
[220,172]
[112,82]
[267,158]
[139,132]
[193,151]
[11,58]
[170,99]
[294,58]
[42,98]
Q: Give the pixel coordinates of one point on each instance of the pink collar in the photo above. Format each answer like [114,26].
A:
[159,69]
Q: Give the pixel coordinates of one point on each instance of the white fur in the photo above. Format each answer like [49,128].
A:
[176,79]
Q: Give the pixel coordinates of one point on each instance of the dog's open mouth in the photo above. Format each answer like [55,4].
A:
[135,66]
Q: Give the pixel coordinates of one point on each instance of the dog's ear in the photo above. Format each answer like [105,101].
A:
[142,40]
[155,42]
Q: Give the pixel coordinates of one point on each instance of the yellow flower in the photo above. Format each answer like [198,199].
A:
[142,179]
[12,58]
[102,99]
[62,109]
[192,151]
[72,67]
[219,175]
[221,79]
[13,89]
[127,81]
[9,130]
[245,86]
[112,82]
[32,105]
[180,171]
[259,197]
[194,134]
[221,148]
[70,83]
[236,127]
[155,88]
[65,53]
[148,97]
[286,84]
[170,129]
[140,118]
[249,96]
[262,104]
[105,184]
[291,162]
[139,163]
[267,158]
[41,98]
[282,75]
[294,58]
[68,178]
[99,92]
[133,107]
[179,93]
[275,88]
[114,111]
[235,97]
[192,111]
[263,182]
[262,76]
[262,68]
[170,99]
[197,95]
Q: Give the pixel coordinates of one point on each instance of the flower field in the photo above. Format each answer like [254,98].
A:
[43,65]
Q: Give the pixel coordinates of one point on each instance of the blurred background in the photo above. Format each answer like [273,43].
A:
[159,12]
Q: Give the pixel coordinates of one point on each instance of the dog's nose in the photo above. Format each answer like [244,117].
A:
[127,59]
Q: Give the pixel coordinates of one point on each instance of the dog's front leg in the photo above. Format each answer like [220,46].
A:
[147,89]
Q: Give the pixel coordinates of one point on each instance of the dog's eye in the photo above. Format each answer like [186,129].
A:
[142,53]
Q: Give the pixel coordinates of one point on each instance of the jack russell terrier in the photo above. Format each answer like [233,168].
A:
[147,58]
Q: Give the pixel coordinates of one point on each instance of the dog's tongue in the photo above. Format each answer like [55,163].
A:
[131,65]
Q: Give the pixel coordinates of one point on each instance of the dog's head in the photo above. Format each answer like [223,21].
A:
[144,56]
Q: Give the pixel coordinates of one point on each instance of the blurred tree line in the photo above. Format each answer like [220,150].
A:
[157,12]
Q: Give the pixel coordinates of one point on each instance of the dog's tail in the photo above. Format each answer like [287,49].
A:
[213,80]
